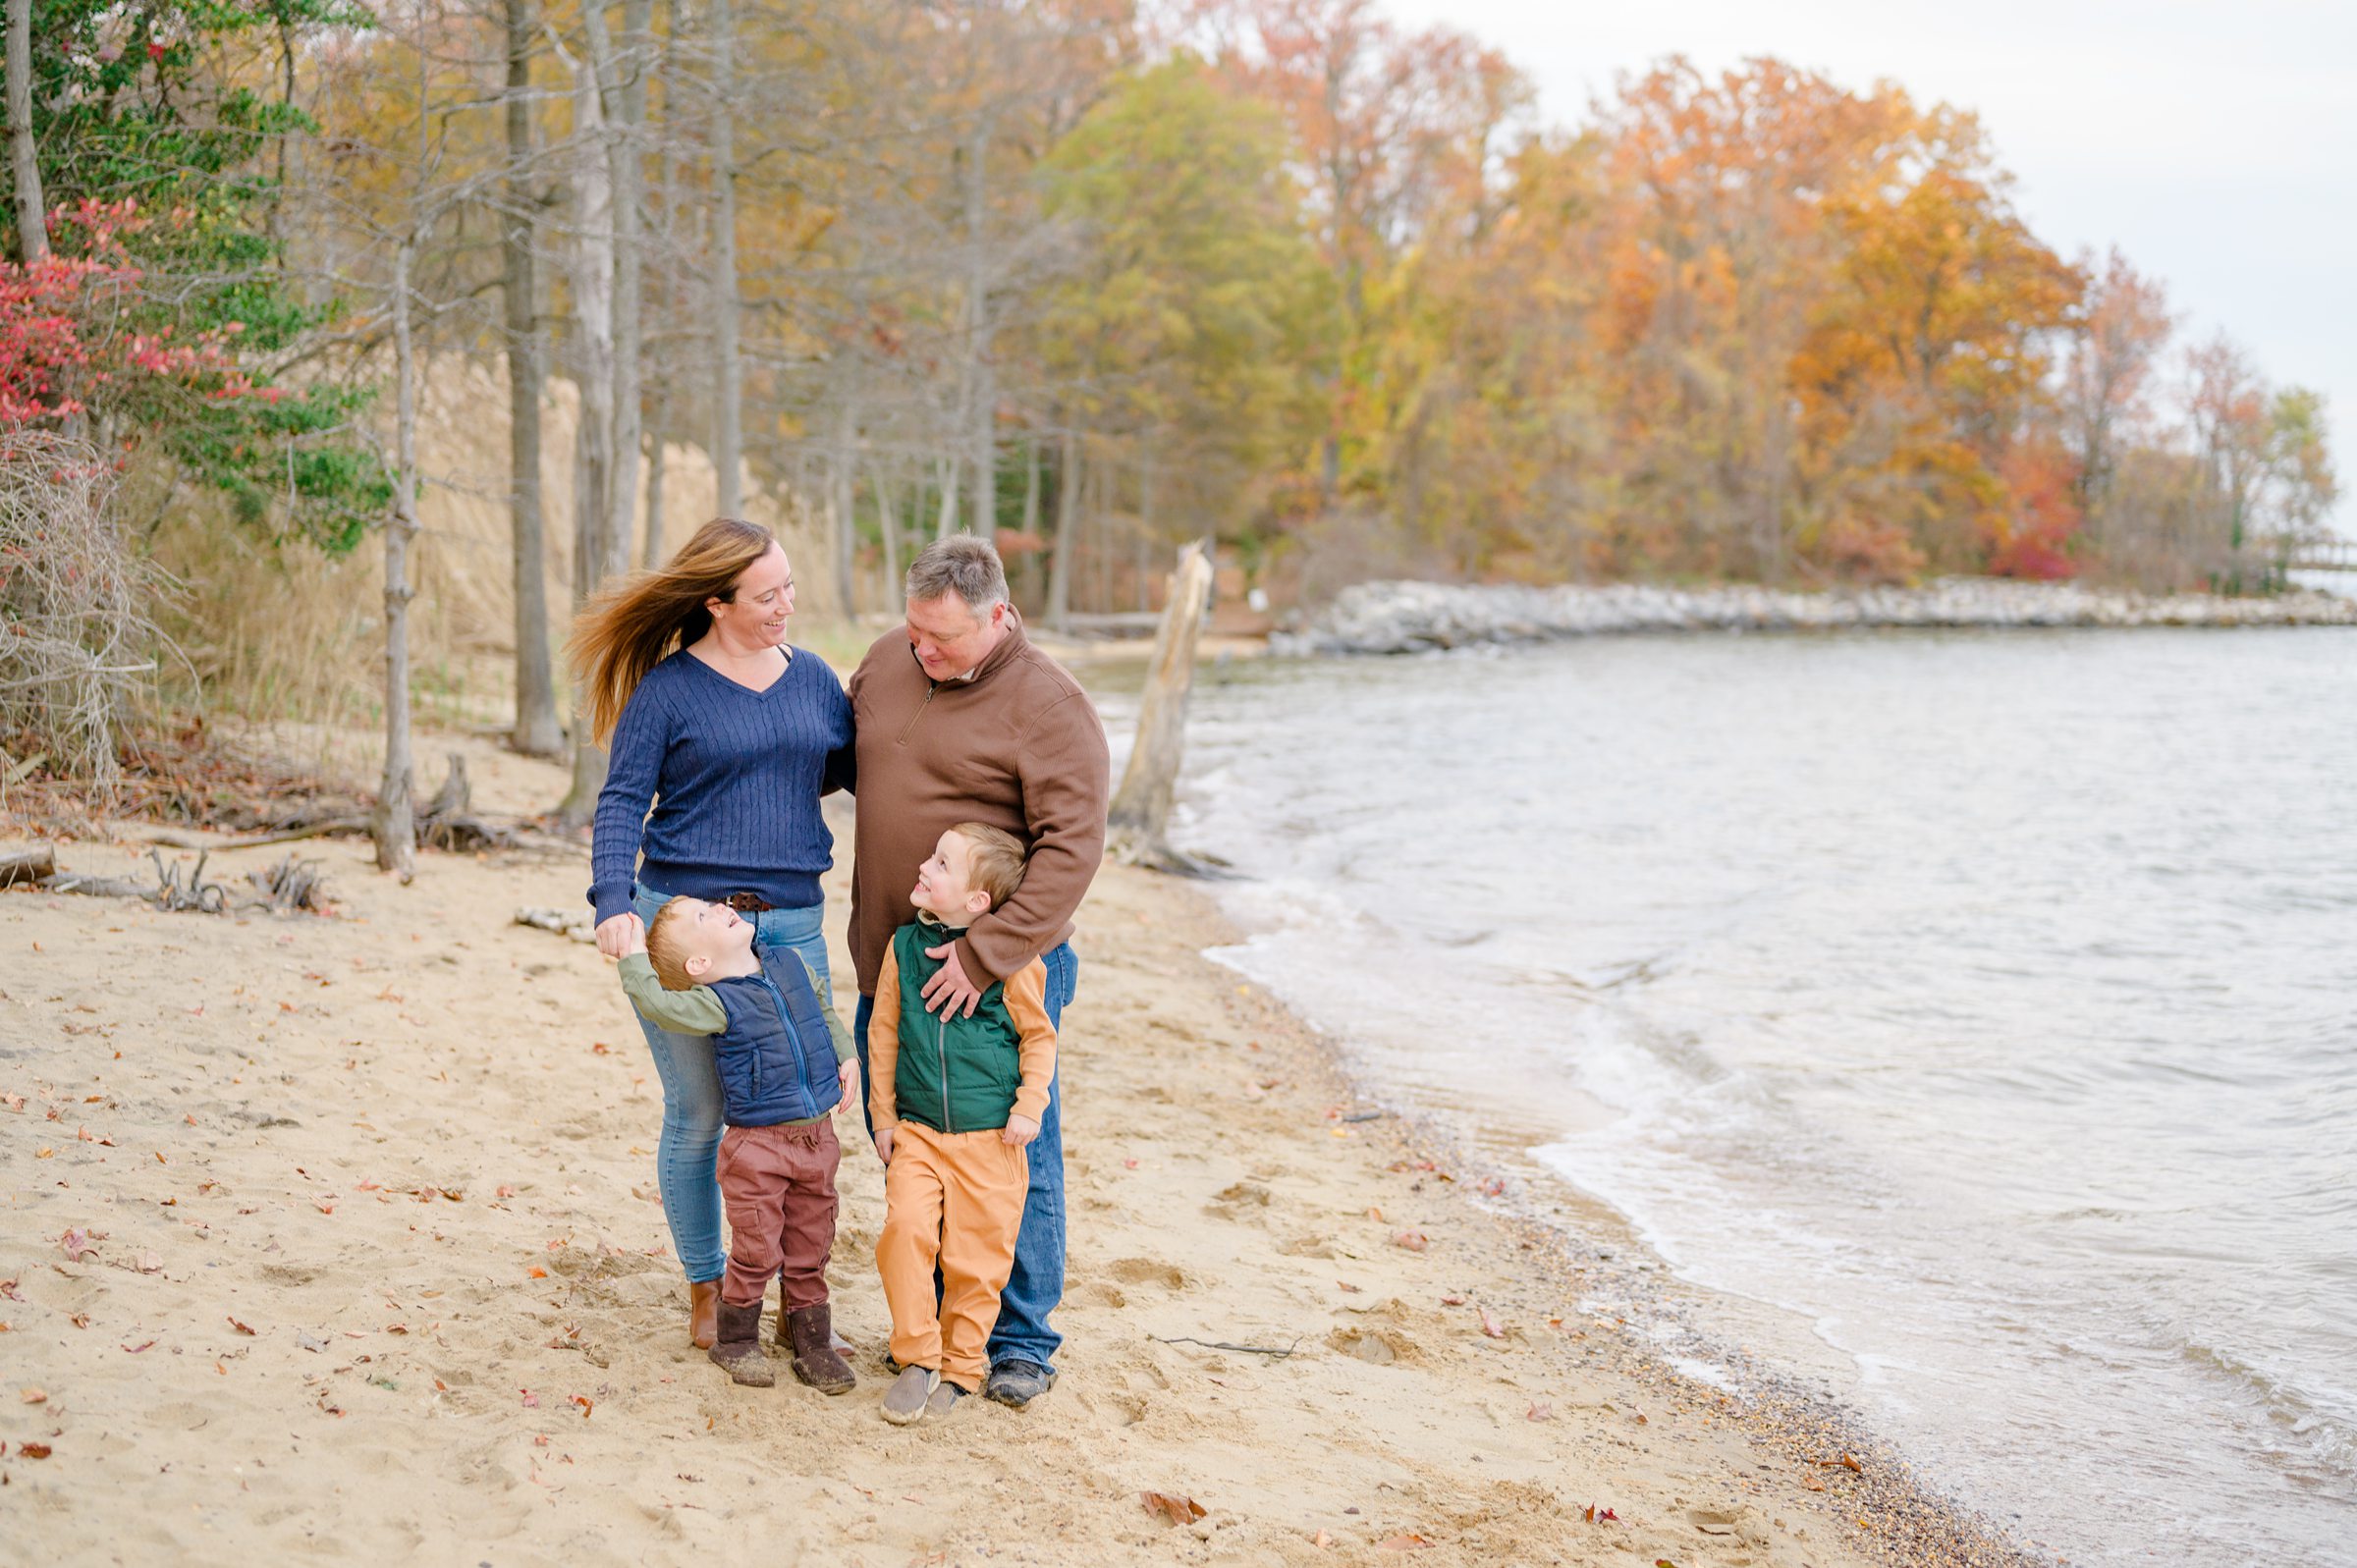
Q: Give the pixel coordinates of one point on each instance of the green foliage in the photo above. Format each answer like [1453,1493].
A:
[149,103]
[1200,316]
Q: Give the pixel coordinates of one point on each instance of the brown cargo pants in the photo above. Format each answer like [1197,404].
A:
[777,1186]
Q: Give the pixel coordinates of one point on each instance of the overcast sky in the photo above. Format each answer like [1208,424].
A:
[2215,144]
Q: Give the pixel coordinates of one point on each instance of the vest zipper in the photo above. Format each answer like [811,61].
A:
[931,686]
[941,1048]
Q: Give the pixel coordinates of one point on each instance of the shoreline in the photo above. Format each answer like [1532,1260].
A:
[374,1263]
[1408,618]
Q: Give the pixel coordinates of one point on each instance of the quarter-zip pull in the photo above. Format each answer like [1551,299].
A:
[931,686]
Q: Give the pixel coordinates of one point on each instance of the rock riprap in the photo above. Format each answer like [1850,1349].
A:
[1379,618]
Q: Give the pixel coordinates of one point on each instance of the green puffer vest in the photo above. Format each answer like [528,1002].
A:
[955,1074]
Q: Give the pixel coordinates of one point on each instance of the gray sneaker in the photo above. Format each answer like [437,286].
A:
[911,1396]
[943,1400]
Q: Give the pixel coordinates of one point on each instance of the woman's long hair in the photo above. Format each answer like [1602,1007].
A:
[626,631]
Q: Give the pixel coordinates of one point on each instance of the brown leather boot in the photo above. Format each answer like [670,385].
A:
[737,1349]
[703,1313]
[815,1361]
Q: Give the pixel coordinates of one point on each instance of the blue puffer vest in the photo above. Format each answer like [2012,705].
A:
[776,1062]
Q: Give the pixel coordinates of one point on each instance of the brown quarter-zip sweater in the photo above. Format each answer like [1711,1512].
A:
[1016,745]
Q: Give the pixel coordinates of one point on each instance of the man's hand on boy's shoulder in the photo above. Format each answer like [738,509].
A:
[1018,1131]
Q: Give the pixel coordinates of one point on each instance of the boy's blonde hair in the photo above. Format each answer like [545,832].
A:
[663,947]
[993,860]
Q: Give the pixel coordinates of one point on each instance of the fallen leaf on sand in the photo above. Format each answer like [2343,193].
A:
[323,1205]
[586,1405]
[32,1450]
[1452,1301]
[1375,1214]
[1321,1541]
[76,1245]
[1347,1286]
[537,1272]
[144,1344]
[8,1288]
[150,1262]
[505,1191]
[81,1319]
[1811,1484]
[531,1400]
[1128,1164]
[33,1396]
[1540,1410]
[1494,1187]
[1491,1325]
[1402,1543]
[1178,1510]
[1412,1240]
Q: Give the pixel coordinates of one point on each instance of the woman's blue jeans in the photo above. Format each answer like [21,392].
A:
[690,1146]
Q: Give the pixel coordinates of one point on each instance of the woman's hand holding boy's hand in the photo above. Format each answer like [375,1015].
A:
[884,1144]
[1018,1131]
[620,936]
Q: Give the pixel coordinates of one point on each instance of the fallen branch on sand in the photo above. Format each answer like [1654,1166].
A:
[446,823]
[1222,1345]
[289,885]
[574,923]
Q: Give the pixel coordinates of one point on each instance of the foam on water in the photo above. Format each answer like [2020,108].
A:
[1985,1003]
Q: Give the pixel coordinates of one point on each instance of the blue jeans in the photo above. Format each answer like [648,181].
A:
[688,1149]
[1036,1286]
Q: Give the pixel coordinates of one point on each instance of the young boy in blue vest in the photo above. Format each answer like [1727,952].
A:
[785,1062]
[955,1097]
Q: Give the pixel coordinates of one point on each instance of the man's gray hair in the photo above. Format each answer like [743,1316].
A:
[962,564]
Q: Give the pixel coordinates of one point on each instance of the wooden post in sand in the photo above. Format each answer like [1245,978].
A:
[1140,814]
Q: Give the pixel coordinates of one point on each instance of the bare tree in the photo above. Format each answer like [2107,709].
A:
[536,730]
[25,166]
[393,824]
[728,367]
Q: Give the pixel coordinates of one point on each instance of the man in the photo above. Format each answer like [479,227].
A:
[962,720]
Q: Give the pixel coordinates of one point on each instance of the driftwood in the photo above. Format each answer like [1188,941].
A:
[446,823]
[574,923]
[289,885]
[1138,822]
[30,865]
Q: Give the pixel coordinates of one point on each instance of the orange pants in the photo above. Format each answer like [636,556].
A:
[952,1200]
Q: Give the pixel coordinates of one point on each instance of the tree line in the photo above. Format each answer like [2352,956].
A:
[1094,277]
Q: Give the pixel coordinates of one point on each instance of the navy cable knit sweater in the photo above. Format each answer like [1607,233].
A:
[736,776]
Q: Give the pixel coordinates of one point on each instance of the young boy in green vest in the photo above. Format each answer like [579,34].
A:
[955,1098]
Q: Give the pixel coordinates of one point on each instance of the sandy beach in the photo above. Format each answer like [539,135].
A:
[335,1238]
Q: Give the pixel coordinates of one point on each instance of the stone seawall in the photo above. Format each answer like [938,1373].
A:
[1377,617]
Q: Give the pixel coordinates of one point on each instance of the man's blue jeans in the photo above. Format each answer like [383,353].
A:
[688,1150]
[1036,1286]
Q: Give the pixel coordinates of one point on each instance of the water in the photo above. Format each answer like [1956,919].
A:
[1986,1006]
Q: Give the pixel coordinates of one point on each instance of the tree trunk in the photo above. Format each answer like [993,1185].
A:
[622,74]
[841,493]
[393,825]
[24,158]
[948,522]
[658,433]
[728,371]
[888,523]
[1068,532]
[536,732]
[1031,487]
[592,268]
[1145,529]
[1140,814]
[983,402]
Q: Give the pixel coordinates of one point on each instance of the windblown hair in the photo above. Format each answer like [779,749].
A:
[993,860]
[663,947]
[962,564]
[626,631]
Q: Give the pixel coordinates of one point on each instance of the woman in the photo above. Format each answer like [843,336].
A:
[733,737]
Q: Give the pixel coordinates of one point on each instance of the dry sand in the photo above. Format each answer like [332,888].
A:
[375,1272]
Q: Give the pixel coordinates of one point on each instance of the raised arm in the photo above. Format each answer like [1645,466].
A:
[693,1011]
[1065,778]
[634,765]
